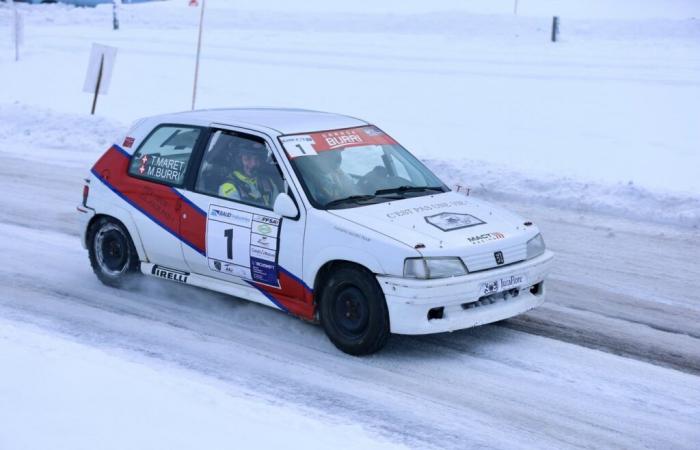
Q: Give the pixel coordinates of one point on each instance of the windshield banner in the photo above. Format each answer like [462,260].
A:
[313,143]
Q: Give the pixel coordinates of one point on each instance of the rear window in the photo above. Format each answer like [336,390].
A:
[165,154]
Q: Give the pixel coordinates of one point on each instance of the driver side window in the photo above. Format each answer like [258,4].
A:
[241,168]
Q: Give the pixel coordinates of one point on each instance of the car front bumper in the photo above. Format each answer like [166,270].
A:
[449,304]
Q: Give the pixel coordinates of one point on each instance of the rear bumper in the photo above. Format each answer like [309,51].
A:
[84,216]
[457,302]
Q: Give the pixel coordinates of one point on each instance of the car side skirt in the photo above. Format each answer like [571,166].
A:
[247,292]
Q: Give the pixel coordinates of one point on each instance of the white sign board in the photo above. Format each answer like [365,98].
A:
[100,55]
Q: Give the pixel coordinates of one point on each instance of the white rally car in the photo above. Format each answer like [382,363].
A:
[321,215]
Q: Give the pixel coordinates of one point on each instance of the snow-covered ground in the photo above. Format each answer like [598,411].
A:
[57,393]
[595,137]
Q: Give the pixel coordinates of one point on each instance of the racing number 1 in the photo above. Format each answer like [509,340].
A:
[229,243]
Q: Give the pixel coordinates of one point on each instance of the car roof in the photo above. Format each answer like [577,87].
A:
[282,120]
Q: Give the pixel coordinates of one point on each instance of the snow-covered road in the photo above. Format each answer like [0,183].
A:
[624,287]
[498,387]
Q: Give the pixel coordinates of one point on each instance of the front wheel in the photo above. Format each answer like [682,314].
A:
[353,311]
[113,256]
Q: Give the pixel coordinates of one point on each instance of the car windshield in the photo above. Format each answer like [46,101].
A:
[357,166]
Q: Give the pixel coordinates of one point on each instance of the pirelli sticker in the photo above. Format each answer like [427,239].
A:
[311,144]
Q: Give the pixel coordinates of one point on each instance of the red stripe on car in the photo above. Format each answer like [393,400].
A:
[292,295]
[162,204]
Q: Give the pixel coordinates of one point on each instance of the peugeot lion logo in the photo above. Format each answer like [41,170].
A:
[499,258]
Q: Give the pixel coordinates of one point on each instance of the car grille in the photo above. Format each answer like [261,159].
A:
[487,260]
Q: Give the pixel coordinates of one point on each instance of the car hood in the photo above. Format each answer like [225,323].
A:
[443,224]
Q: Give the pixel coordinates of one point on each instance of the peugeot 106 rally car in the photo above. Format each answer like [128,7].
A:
[320,215]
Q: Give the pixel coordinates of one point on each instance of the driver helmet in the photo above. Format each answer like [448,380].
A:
[252,148]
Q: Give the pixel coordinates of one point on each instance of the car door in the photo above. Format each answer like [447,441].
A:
[158,168]
[245,242]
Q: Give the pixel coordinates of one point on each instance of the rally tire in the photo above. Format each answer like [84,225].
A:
[353,311]
[113,256]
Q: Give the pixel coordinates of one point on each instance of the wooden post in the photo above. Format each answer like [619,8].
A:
[115,17]
[17,31]
[97,86]
[14,31]
[555,28]
[199,50]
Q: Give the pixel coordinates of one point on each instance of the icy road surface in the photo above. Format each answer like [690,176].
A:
[491,386]
[496,386]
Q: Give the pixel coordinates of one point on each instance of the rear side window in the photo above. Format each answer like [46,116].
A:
[165,154]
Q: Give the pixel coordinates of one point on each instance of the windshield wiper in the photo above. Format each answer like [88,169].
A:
[352,198]
[402,189]
[396,190]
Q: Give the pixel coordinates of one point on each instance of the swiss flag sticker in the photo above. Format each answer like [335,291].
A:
[128,142]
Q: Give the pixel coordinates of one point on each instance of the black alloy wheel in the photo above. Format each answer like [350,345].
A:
[113,256]
[353,311]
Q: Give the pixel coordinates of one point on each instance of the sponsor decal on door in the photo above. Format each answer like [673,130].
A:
[243,244]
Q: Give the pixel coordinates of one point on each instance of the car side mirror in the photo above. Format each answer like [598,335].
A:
[285,207]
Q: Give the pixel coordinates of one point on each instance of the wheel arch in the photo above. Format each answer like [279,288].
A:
[327,269]
[123,219]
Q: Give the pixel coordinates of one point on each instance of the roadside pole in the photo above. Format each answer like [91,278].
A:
[98,83]
[199,50]
[17,28]
[555,28]
[115,13]
[515,8]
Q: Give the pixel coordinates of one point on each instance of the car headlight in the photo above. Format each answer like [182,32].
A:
[535,246]
[426,268]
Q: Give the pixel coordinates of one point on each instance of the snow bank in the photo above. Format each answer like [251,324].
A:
[490,181]
[39,134]
[58,390]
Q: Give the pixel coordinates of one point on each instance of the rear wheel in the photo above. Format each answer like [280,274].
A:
[353,311]
[113,256]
